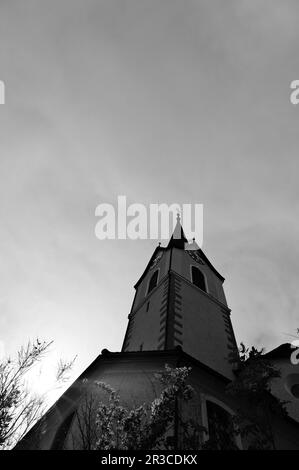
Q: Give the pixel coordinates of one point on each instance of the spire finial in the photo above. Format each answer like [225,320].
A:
[178,217]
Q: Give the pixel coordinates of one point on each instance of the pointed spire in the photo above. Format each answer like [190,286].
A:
[178,238]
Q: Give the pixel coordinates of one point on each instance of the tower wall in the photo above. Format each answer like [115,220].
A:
[207,333]
[145,329]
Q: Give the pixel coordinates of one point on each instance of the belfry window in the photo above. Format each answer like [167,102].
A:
[198,278]
[153,281]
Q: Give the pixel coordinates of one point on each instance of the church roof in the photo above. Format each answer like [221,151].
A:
[281,352]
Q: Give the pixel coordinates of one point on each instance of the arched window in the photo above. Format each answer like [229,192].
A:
[153,281]
[198,278]
[221,428]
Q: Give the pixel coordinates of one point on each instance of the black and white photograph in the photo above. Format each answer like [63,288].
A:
[149,230]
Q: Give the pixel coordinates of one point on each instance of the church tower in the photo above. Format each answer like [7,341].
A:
[179,317]
[180,301]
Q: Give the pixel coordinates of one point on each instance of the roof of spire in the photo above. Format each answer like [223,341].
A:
[178,238]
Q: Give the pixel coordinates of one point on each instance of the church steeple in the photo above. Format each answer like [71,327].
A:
[180,301]
[178,238]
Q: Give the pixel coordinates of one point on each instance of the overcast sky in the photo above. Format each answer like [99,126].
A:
[161,101]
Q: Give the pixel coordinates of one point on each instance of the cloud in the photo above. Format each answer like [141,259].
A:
[163,102]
